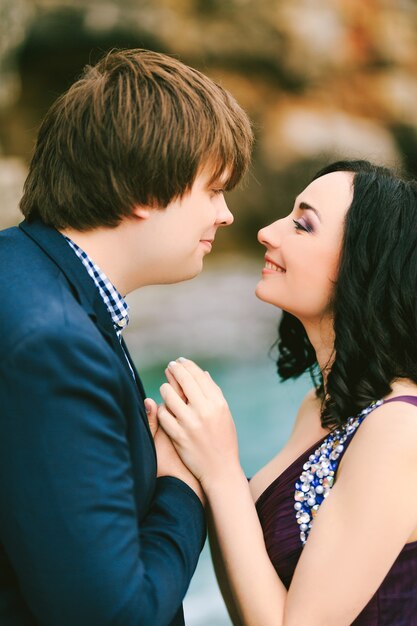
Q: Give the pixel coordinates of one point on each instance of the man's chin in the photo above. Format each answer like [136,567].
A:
[194,274]
[183,277]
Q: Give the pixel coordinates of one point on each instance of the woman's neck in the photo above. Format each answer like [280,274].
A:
[321,336]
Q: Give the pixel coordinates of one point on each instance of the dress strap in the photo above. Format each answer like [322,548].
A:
[319,470]
[408,399]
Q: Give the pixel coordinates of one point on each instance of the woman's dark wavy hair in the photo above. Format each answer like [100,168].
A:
[374,300]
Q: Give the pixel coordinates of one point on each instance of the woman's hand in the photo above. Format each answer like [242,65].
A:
[169,463]
[201,425]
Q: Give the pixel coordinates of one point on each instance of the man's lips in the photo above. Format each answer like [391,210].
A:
[273,266]
[207,243]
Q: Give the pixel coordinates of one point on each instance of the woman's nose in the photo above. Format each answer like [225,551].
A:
[262,236]
[269,235]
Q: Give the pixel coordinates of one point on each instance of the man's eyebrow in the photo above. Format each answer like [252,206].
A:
[308,207]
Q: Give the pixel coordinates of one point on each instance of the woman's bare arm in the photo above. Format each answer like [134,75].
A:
[347,548]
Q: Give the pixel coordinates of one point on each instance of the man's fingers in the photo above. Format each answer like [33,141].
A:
[151,412]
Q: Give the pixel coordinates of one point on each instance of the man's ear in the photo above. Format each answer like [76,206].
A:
[142,212]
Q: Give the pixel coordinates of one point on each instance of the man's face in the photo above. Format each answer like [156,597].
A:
[180,235]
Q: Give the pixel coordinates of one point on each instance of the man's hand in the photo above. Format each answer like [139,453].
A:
[169,463]
[152,412]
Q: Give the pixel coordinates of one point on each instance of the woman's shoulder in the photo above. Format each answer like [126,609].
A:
[396,416]
[402,388]
[389,431]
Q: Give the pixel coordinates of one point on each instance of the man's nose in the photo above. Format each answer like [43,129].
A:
[225,216]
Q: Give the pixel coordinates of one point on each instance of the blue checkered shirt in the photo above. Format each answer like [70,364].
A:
[115,303]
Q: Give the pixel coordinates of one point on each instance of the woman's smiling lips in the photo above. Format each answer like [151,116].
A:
[271,267]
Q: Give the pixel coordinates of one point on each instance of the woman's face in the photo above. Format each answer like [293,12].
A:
[303,249]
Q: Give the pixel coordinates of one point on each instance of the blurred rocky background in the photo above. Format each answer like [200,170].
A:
[320,79]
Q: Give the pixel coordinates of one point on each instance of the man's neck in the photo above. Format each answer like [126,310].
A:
[105,248]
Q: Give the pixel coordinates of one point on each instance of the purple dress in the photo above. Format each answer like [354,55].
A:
[395,601]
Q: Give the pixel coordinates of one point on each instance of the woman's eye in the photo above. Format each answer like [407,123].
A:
[217,191]
[302,225]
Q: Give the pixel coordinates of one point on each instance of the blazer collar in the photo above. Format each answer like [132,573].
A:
[57,249]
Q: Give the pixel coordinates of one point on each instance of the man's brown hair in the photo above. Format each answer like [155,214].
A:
[135,129]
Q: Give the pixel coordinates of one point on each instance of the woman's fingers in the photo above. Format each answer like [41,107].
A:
[175,385]
[173,402]
[169,423]
[203,378]
[190,386]
[191,377]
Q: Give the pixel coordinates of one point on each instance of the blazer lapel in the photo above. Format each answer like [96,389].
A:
[134,370]
[54,245]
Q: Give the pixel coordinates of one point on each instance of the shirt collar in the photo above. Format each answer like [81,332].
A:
[115,303]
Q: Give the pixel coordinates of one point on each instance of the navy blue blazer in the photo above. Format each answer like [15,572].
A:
[88,535]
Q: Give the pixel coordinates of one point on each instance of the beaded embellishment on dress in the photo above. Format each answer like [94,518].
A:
[317,479]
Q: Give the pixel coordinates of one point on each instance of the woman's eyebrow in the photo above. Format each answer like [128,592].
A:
[308,207]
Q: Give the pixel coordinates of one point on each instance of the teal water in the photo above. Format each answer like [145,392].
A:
[264,411]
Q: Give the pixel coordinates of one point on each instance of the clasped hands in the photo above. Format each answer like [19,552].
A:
[194,432]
